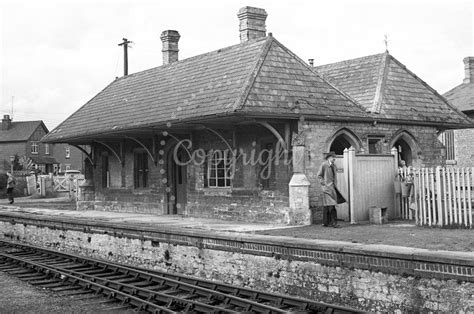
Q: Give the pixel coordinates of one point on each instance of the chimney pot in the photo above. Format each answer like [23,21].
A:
[170,49]
[252,23]
[6,122]
[468,70]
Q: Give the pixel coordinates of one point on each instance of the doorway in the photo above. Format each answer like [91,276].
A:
[177,181]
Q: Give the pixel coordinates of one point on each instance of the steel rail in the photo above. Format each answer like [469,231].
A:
[63,275]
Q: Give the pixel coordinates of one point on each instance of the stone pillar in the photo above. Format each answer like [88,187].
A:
[299,189]
[86,197]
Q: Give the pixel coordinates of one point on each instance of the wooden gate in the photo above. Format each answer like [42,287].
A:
[368,181]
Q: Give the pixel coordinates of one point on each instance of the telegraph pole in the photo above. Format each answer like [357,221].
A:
[125,55]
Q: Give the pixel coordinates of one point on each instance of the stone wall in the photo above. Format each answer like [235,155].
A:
[318,135]
[251,196]
[353,275]
[464,147]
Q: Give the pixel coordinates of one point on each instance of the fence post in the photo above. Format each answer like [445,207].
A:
[394,153]
[459,207]
[422,199]
[444,196]
[463,176]
[345,164]
[437,196]
[351,159]
[469,180]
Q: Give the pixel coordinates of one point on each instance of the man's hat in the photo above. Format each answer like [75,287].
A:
[330,154]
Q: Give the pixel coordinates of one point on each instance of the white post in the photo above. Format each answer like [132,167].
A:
[450,198]
[458,184]
[351,160]
[463,170]
[437,195]
[445,205]
[469,195]
[347,178]
[394,153]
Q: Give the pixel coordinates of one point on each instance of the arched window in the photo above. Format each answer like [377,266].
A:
[343,139]
[406,146]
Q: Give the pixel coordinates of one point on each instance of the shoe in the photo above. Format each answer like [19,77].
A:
[336,226]
[11,202]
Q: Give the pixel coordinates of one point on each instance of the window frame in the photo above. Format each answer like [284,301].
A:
[219,170]
[46,149]
[34,147]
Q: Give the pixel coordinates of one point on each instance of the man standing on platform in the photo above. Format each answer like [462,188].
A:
[11,182]
[331,196]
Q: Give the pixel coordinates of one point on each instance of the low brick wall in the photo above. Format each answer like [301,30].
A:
[239,205]
[371,278]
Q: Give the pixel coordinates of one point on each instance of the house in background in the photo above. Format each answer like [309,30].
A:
[460,143]
[22,138]
[210,136]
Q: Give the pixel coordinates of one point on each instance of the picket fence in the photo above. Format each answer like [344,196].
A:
[437,196]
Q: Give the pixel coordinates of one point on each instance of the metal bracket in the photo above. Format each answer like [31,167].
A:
[88,155]
[144,147]
[111,149]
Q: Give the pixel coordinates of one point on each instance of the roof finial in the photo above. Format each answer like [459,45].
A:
[386,42]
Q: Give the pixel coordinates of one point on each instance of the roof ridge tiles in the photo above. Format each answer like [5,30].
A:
[246,87]
[464,116]
[382,81]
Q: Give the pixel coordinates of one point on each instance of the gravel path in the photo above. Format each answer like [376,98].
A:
[17,296]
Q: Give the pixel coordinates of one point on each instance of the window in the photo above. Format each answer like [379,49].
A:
[34,147]
[375,145]
[219,169]
[447,138]
[140,170]
[68,152]
[46,149]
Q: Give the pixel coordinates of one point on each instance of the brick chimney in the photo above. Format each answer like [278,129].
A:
[252,23]
[6,122]
[468,70]
[170,46]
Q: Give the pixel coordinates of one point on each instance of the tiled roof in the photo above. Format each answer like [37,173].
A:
[259,77]
[389,90]
[19,131]
[462,96]
[37,159]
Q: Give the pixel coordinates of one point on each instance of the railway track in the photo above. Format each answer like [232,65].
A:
[143,290]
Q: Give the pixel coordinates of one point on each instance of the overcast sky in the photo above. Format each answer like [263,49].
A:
[56,55]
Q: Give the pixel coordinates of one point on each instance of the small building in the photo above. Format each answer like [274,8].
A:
[460,143]
[22,139]
[239,133]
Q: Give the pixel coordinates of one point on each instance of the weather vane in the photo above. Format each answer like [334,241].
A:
[386,42]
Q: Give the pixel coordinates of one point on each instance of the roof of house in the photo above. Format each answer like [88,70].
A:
[38,159]
[387,89]
[20,131]
[462,96]
[258,77]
